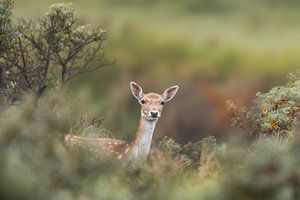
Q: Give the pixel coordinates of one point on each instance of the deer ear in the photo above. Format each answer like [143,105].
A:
[170,93]
[136,90]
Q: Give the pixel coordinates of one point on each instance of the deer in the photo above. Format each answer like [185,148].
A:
[138,149]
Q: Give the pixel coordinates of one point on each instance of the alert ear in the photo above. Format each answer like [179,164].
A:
[170,93]
[136,90]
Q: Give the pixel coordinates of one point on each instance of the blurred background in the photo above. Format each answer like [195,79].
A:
[214,50]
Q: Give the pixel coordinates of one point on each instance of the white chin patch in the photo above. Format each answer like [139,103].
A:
[150,118]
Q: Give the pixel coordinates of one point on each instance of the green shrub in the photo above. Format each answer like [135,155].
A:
[37,165]
[6,26]
[192,152]
[271,113]
[269,169]
[49,51]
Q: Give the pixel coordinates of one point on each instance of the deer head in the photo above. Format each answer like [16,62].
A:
[152,103]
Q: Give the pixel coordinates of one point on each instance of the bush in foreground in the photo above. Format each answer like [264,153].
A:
[271,113]
[37,164]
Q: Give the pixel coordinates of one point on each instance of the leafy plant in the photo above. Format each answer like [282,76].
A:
[191,151]
[274,112]
[50,51]
[6,27]
[38,165]
[7,32]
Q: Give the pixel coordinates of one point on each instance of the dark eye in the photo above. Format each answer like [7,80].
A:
[143,101]
[162,103]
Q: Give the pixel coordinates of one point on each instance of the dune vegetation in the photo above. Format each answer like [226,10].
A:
[215,50]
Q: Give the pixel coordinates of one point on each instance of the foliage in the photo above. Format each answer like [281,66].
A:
[274,112]
[269,169]
[220,47]
[37,164]
[6,30]
[193,152]
[50,51]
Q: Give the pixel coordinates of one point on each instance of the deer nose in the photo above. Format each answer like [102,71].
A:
[154,114]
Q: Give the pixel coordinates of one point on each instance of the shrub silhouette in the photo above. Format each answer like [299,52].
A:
[47,52]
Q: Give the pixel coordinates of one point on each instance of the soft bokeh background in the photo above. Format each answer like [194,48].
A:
[213,49]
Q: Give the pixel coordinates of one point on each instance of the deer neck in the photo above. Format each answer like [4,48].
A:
[142,142]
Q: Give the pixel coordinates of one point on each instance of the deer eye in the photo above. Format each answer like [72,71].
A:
[162,103]
[143,101]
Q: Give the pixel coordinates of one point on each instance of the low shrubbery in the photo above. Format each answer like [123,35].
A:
[37,164]
[272,113]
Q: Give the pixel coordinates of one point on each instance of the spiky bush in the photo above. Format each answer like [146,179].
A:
[271,113]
